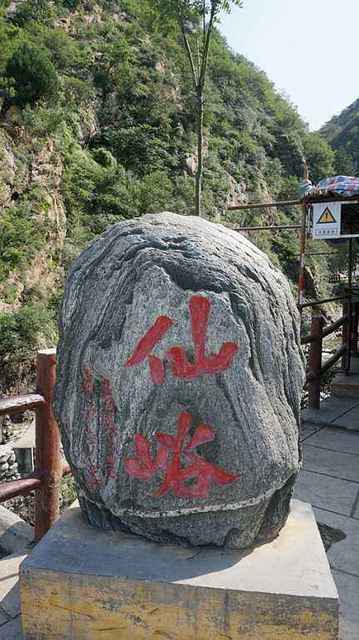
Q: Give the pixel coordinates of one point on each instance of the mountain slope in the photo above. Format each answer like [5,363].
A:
[96,125]
[342,133]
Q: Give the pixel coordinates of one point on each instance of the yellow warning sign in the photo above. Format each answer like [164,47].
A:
[326,217]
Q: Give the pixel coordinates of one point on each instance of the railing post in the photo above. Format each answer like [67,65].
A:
[48,458]
[315,361]
[346,336]
[355,322]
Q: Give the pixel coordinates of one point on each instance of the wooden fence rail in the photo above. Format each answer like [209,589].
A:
[49,467]
[19,404]
[316,369]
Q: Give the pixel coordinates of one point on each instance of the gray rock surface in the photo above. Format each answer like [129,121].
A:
[179,383]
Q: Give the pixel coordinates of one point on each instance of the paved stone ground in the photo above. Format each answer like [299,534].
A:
[334,411]
[330,482]
[10,623]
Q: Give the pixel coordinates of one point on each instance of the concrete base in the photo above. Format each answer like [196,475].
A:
[86,584]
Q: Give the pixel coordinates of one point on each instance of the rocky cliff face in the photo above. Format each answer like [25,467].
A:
[30,174]
[117,139]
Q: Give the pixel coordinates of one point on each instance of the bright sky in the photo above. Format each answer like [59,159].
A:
[308,48]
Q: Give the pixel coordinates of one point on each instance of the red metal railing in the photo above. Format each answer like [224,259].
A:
[49,467]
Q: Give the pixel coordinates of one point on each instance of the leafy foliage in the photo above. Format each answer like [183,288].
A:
[32,73]
[342,132]
[21,237]
[103,128]
[20,334]
[319,155]
[203,14]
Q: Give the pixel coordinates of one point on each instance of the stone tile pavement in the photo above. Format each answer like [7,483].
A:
[15,540]
[10,623]
[336,411]
[330,482]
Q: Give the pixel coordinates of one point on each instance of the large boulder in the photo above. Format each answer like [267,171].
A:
[179,383]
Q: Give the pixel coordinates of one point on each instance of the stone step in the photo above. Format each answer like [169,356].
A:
[346,385]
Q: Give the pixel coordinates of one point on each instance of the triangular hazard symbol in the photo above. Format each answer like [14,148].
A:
[326,217]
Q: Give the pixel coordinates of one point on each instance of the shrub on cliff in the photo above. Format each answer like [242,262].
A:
[31,74]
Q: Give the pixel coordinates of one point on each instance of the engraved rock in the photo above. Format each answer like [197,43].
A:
[179,382]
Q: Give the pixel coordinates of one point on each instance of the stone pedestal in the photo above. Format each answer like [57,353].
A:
[86,584]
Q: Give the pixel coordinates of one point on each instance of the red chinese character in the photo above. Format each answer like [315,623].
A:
[92,477]
[97,475]
[181,367]
[191,481]
[145,346]
[143,466]
[87,381]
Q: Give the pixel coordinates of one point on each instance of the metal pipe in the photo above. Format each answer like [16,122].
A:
[327,200]
[320,253]
[283,203]
[282,227]
[316,302]
[301,275]
[264,205]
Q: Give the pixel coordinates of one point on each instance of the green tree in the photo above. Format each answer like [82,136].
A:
[30,10]
[197,19]
[32,74]
[319,155]
[344,164]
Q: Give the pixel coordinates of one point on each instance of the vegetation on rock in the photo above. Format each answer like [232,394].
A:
[96,126]
[342,132]
[31,75]
[196,19]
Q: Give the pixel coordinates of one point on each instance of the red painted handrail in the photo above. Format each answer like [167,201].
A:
[46,479]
